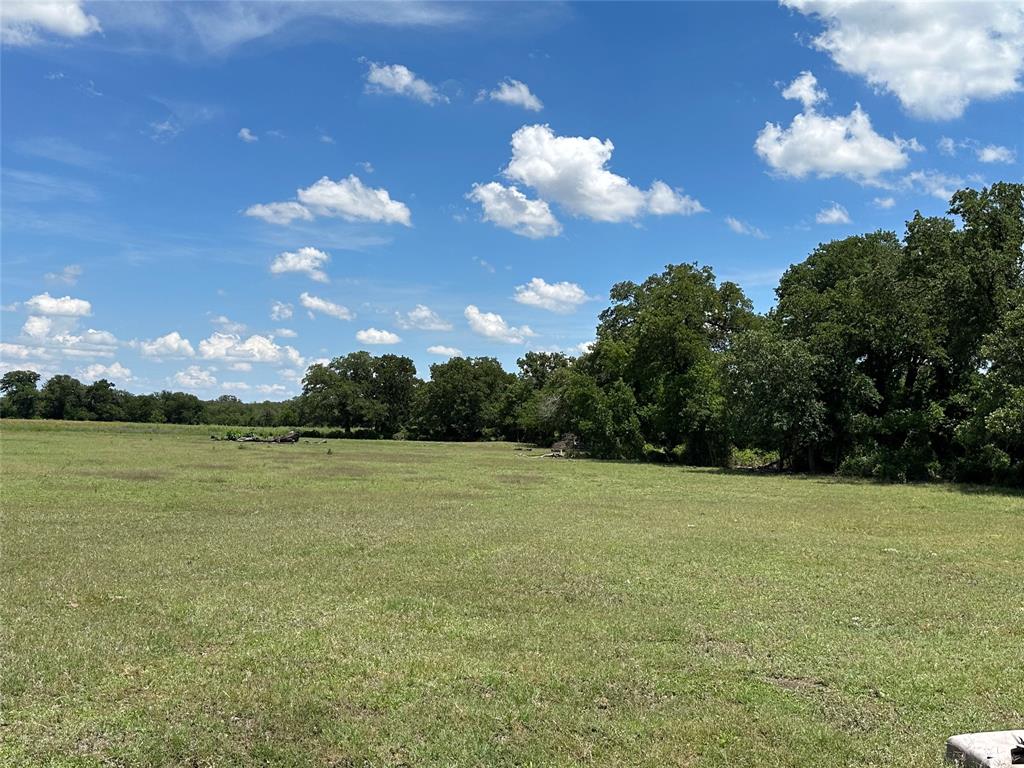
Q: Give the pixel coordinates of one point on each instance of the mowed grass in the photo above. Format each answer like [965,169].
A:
[169,600]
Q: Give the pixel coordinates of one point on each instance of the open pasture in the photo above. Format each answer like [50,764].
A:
[170,600]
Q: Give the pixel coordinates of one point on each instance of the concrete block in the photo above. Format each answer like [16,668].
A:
[995,749]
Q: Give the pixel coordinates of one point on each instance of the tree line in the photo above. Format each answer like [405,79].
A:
[888,357]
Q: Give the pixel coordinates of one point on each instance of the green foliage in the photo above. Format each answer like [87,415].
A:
[20,397]
[463,398]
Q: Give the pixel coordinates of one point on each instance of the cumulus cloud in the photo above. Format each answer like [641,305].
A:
[572,172]
[323,306]
[510,209]
[561,298]
[934,183]
[493,326]
[279,213]
[227,325]
[423,318]
[65,306]
[247,136]
[442,351]
[22,22]
[172,344]
[280,311]
[195,377]
[947,146]
[351,200]
[824,146]
[884,202]
[285,333]
[994,153]
[37,327]
[805,90]
[515,93]
[834,214]
[934,57]
[347,199]
[742,228]
[399,79]
[377,336]
[68,276]
[20,351]
[57,332]
[271,389]
[113,372]
[309,261]
[255,349]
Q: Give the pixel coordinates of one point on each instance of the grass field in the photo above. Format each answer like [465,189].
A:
[170,600]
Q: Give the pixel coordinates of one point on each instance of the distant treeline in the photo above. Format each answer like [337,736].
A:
[893,358]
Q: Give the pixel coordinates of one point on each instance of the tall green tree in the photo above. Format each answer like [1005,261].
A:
[21,398]
[662,338]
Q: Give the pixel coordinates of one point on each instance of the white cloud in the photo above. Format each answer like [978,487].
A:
[255,349]
[58,333]
[316,304]
[36,327]
[351,200]
[346,198]
[805,90]
[227,325]
[246,367]
[307,260]
[285,333]
[935,57]
[561,298]
[422,318]
[884,202]
[20,351]
[280,311]
[397,78]
[742,228]
[162,131]
[996,154]
[114,371]
[443,351]
[238,386]
[585,347]
[493,326]
[65,306]
[843,145]
[510,209]
[68,276]
[947,146]
[571,171]
[376,336]
[271,389]
[195,377]
[21,22]
[247,136]
[662,200]
[172,344]
[834,214]
[515,93]
[279,213]
[934,183]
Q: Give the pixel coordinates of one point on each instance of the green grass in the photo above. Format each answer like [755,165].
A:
[170,600]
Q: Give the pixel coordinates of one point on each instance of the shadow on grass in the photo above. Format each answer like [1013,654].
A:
[972,489]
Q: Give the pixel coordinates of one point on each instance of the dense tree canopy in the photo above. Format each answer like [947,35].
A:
[896,358]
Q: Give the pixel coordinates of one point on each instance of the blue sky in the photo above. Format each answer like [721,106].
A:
[210,197]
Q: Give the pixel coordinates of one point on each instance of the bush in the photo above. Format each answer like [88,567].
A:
[751,458]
